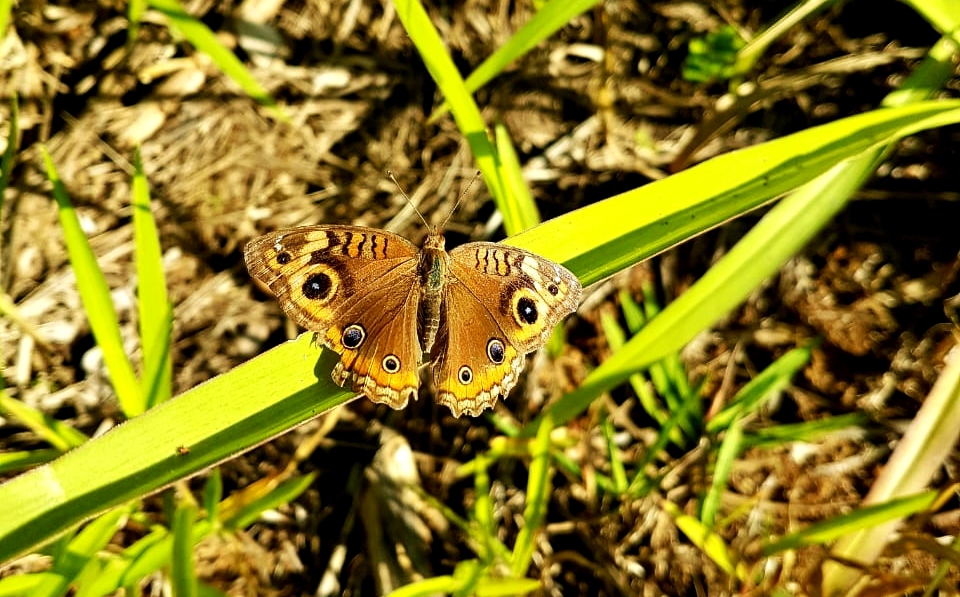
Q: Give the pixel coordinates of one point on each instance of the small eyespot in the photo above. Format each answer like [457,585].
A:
[353,336]
[527,310]
[465,375]
[284,258]
[495,351]
[553,289]
[317,286]
[390,363]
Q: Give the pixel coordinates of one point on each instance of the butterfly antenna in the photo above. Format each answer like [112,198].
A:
[476,175]
[394,180]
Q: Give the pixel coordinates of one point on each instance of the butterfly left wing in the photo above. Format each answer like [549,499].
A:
[356,288]
[500,303]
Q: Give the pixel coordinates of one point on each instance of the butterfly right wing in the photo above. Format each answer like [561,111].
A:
[357,288]
[501,303]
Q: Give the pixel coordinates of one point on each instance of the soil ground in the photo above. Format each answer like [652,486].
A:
[873,287]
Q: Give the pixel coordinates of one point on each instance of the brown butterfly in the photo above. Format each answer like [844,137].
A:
[382,304]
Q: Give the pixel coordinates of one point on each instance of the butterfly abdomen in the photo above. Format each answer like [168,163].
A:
[433,269]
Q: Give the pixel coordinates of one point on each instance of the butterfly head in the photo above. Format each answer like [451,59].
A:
[434,241]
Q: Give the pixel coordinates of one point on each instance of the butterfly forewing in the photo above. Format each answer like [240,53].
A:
[527,294]
[355,287]
[315,270]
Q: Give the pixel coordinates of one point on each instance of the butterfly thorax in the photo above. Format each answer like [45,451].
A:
[433,269]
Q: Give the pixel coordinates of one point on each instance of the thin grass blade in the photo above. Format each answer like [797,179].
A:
[96,299]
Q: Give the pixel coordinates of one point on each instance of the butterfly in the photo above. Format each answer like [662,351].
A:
[383,304]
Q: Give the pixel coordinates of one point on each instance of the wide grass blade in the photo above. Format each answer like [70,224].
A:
[779,235]
[228,414]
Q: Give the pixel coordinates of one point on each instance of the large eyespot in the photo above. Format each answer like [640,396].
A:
[317,286]
[527,310]
[465,375]
[390,363]
[353,336]
[495,351]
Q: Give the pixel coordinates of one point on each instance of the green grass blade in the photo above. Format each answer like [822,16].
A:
[84,547]
[212,494]
[465,112]
[144,557]
[757,46]
[95,296]
[24,584]
[135,10]
[809,431]
[730,448]
[183,576]
[641,483]
[708,541]
[616,338]
[205,40]
[852,522]
[538,490]
[6,7]
[228,414]
[943,15]
[115,568]
[485,527]
[155,310]
[551,17]
[283,493]
[13,135]
[928,78]
[636,319]
[518,209]
[771,380]
[668,377]
[618,473]
[13,461]
[638,224]
[56,433]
